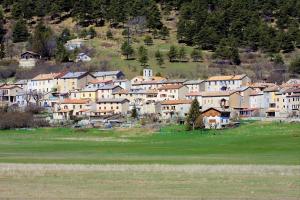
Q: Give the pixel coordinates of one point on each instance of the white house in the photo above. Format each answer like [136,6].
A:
[175,109]
[223,83]
[83,58]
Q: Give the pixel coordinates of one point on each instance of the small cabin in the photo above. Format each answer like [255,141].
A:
[214,118]
[30,55]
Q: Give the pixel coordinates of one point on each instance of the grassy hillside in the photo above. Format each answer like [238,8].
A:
[253,143]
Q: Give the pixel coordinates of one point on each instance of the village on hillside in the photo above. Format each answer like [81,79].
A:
[105,98]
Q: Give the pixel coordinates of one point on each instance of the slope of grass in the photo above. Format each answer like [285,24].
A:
[253,143]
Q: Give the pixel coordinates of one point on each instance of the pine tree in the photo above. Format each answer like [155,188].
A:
[127,50]
[20,31]
[42,40]
[295,66]
[173,53]
[182,54]
[61,54]
[92,32]
[193,114]
[134,114]
[196,55]
[109,35]
[159,58]
[164,32]
[143,55]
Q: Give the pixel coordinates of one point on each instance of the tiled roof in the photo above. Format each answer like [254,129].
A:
[75,101]
[176,102]
[272,89]
[41,77]
[8,86]
[100,81]
[255,93]
[226,78]
[121,100]
[170,87]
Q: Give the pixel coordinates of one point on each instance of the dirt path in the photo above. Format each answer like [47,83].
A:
[252,169]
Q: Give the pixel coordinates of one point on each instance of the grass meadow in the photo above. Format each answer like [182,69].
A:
[258,160]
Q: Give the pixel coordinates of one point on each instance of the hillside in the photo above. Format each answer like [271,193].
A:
[260,39]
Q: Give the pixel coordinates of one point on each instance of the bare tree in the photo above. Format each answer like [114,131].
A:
[27,97]
[37,96]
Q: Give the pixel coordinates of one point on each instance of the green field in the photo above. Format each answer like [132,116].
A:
[254,161]
[252,143]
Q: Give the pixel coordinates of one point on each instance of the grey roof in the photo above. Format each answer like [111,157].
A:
[108,73]
[21,82]
[74,75]
[192,82]
[174,81]
[112,100]
[108,87]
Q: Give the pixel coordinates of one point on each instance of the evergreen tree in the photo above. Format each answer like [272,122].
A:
[42,40]
[127,50]
[164,32]
[61,54]
[92,32]
[193,114]
[134,113]
[196,55]
[173,53]
[2,51]
[182,54]
[142,55]
[159,58]
[20,31]
[65,36]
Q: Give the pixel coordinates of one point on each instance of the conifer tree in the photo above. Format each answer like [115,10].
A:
[143,55]
[173,53]
[127,50]
[193,114]
[20,31]
[159,58]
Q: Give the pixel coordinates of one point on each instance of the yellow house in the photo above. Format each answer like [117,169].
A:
[73,81]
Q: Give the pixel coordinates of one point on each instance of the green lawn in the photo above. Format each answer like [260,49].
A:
[251,143]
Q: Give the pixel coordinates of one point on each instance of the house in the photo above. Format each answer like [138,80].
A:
[270,100]
[172,92]
[8,93]
[195,95]
[195,85]
[74,80]
[44,83]
[257,105]
[107,91]
[137,98]
[29,59]
[123,83]
[22,83]
[109,75]
[288,102]
[111,107]
[215,118]
[99,83]
[224,83]
[74,44]
[82,57]
[68,108]
[223,99]
[175,109]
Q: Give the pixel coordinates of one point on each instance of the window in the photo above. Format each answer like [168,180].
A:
[80,106]
[73,106]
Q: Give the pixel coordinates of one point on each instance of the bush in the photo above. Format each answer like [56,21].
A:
[11,120]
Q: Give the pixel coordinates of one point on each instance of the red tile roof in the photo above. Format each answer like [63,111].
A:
[75,101]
